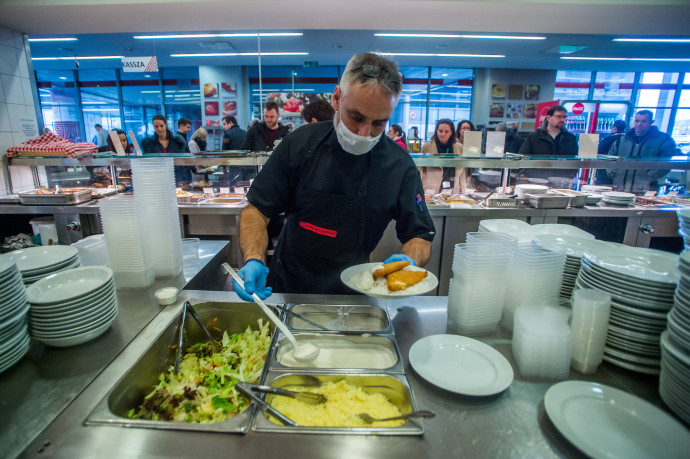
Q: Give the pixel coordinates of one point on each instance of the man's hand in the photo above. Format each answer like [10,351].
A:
[253,273]
[399,257]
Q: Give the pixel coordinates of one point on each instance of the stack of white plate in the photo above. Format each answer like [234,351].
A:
[36,263]
[524,232]
[542,342]
[72,307]
[534,279]
[642,284]
[154,186]
[477,292]
[128,241]
[574,248]
[675,375]
[14,335]
[595,189]
[684,225]
[618,198]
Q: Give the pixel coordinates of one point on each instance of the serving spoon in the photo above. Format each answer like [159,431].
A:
[425,414]
[305,352]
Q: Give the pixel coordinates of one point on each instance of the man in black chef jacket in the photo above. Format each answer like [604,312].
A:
[339,183]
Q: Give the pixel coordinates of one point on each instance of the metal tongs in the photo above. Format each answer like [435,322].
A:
[247,389]
[299,316]
[178,355]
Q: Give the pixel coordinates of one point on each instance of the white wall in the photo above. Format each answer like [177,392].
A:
[16,102]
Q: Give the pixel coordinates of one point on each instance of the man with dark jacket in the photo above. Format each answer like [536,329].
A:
[233,135]
[644,141]
[551,139]
[617,133]
[262,136]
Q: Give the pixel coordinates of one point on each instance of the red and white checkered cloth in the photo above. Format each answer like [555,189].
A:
[50,144]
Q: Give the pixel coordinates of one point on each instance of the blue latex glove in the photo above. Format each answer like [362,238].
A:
[400,257]
[253,273]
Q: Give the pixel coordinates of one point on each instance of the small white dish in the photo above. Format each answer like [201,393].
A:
[166,295]
[461,365]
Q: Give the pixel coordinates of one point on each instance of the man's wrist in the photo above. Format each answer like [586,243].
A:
[247,260]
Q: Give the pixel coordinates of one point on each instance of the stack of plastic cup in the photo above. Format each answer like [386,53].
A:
[128,242]
[154,187]
[589,326]
[534,279]
[542,342]
[475,297]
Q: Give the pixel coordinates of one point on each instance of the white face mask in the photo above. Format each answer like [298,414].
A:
[353,143]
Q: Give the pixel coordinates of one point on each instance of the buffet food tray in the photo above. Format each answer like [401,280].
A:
[52,197]
[394,386]
[549,201]
[340,318]
[142,375]
[9,199]
[577,198]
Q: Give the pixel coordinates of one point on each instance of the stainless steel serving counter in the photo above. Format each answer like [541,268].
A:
[510,424]
[38,388]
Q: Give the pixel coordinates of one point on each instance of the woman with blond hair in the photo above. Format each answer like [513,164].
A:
[198,141]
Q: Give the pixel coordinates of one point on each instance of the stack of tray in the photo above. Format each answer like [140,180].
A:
[52,197]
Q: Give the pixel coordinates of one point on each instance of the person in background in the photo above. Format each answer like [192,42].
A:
[183,127]
[163,140]
[123,141]
[340,184]
[317,110]
[415,132]
[101,137]
[437,179]
[395,133]
[198,141]
[47,131]
[233,135]
[513,140]
[463,126]
[644,141]
[263,135]
[551,139]
[617,133]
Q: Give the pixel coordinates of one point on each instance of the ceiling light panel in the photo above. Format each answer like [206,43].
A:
[637,59]
[440,55]
[438,35]
[241,54]
[52,39]
[654,40]
[71,58]
[217,35]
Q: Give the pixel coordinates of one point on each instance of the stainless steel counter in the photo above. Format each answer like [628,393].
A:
[37,389]
[511,424]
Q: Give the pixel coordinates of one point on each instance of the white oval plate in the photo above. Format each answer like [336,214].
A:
[644,264]
[429,283]
[41,257]
[606,422]
[69,284]
[461,365]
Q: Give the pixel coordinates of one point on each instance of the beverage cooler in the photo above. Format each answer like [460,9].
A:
[595,116]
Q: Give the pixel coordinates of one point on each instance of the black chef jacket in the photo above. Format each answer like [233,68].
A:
[336,205]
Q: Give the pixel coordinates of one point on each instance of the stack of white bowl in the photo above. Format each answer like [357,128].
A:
[93,251]
[128,241]
[154,187]
[72,307]
[684,225]
[477,292]
[618,198]
[674,383]
[534,279]
[36,263]
[542,342]
[14,334]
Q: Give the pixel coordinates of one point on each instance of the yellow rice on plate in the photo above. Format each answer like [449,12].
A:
[343,403]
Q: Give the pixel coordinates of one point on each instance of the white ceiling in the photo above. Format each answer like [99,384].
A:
[334,30]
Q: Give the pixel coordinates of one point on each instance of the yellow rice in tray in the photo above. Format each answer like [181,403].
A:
[343,403]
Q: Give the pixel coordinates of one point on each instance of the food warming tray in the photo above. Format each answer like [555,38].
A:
[142,375]
[394,387]
[341,318]
[549,201]
[50,197]
[577,198]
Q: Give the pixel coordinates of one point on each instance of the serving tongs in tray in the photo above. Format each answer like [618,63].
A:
[248,390]
[178,354]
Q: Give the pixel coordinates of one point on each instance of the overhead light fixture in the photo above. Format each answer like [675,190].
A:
[439,55]
[71,58]
[637,59]
[63,78]
[100,109]
[238,54]
[441,35]
[147,76]
[444,74]
[655,40]
[219,35]
[54,39]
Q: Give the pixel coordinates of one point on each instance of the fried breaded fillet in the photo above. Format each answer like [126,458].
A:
[400,280]
[391,268]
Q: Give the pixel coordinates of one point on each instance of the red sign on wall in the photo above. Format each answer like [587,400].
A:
[542,108]
[578,108]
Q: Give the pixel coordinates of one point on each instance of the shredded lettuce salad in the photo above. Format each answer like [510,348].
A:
[204,389]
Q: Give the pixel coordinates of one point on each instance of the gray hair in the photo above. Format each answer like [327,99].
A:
[201,132]
[389,78]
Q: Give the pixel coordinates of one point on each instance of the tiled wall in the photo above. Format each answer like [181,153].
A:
[16,101]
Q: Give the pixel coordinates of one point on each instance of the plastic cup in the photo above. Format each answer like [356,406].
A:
[591,309]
